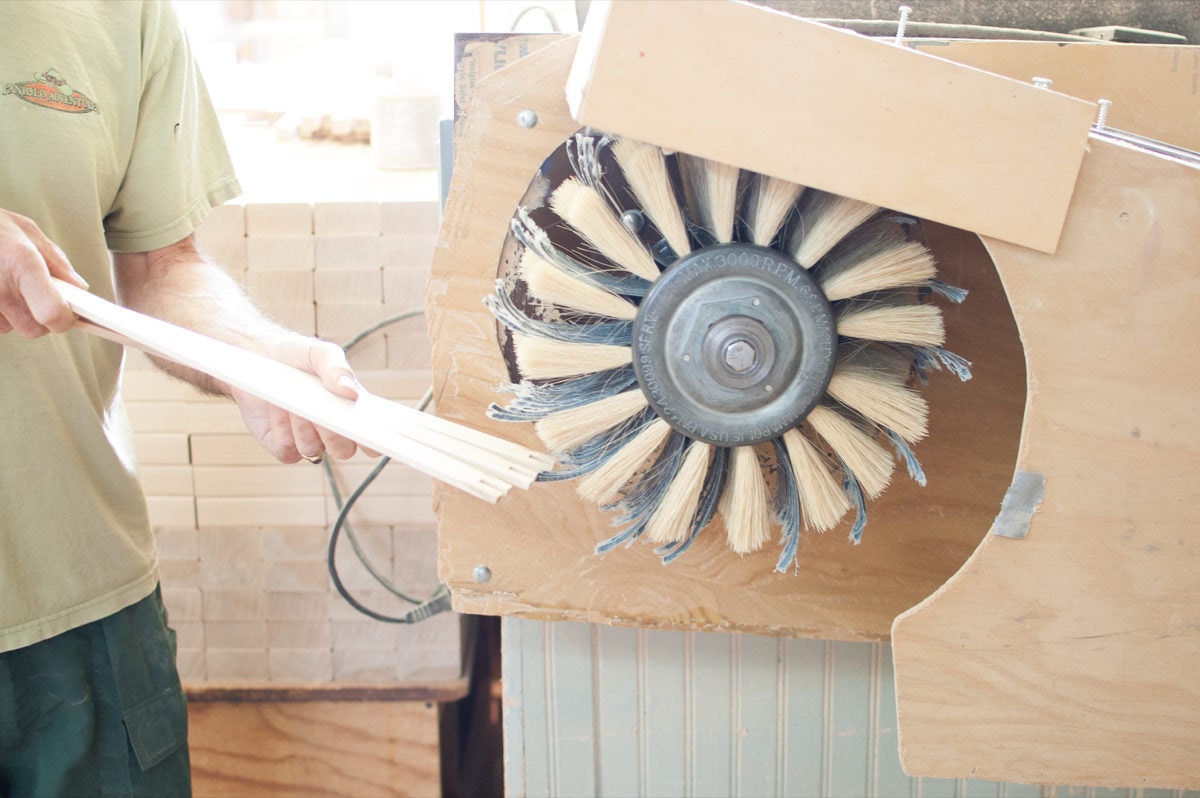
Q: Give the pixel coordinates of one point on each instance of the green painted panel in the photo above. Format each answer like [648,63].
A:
[536,737]
[665,742]
[711,712]
[571,719]
[937,788]
[617,756]
[804,748]
[849,733]
[757,732]
[969,788]
[890,779]
[512,665]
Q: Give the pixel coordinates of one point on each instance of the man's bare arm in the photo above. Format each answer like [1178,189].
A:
[177,284]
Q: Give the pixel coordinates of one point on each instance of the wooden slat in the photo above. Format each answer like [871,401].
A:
[828,108]
[1069,656]
[473,462]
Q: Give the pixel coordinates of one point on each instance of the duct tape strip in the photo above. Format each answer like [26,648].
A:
[1026,492]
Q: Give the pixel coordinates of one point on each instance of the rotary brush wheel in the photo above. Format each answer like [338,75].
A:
[692,340]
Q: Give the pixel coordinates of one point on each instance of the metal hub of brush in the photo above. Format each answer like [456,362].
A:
[734,344]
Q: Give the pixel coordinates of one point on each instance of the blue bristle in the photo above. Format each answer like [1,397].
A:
[933,358]
[647,492]
[529,233]
[534,401]
[854,491]
[951,292]
[902,219]
[701,236]
[956,363]
[787,507]
[583,153]
[627,535]
[710,494]
[905,452]
[922,357]
[664,256]
[782,498]
[641,502]
[596,452]
[618,333]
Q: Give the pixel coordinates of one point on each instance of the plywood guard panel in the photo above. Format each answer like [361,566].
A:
[1153,88]
[351,749]
[834,110]
[1069,656]
[539,544]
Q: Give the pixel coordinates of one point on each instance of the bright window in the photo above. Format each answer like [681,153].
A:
[314,75]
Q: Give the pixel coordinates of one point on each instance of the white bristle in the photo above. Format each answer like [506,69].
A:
[545,359]
[672,521]
[826,220]
[870,463]
[568,429]
[919,325]
[584,208]
[551,285]
[881,397]
[744,503]
[605,482]
[769,204]
[822,500]
[876,265]
[646,170]
[712,190]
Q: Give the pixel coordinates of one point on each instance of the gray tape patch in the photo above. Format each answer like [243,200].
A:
[1026,492]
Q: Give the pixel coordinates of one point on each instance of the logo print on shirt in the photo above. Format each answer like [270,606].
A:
[50,90]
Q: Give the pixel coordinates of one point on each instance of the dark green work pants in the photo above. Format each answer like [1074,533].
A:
[96,711]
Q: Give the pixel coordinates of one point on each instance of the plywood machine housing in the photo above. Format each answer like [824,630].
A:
[539,546]
[1080,305]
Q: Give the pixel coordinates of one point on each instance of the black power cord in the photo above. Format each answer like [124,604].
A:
[439,600]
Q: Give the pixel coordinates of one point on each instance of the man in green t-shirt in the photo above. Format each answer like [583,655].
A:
[110,157]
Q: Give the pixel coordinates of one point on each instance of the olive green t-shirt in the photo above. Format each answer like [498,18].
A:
[108,141]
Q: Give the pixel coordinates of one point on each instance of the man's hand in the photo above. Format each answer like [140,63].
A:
[178,285]
[288,437]
[29,302]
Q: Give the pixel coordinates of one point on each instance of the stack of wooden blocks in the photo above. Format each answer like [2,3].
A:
[242,538]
